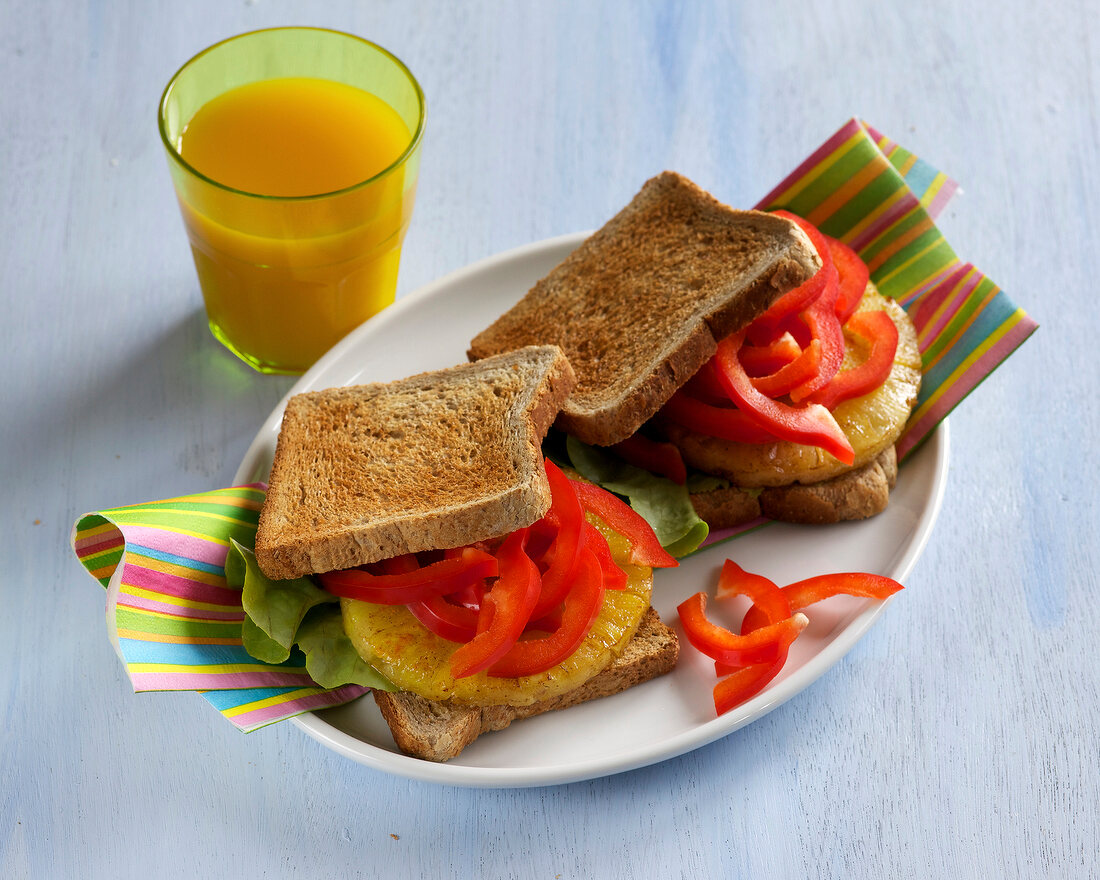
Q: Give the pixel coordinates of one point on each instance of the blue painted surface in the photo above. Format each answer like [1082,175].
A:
[957,739]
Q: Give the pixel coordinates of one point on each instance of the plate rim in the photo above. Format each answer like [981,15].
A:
[252,468]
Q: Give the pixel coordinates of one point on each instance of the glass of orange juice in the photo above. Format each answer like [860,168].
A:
[294,153]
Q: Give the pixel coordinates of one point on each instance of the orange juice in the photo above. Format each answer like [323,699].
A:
[295,245]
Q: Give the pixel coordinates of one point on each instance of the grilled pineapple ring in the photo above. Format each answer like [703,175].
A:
[872,422]
[416,660]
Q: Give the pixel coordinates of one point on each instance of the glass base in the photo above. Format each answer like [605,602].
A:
[258,365]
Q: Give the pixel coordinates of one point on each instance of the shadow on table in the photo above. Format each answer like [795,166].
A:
[173,415]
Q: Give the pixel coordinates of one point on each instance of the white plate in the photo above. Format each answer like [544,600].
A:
[660,719]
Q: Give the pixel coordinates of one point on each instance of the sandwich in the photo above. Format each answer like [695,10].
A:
[482,581]
[740,354]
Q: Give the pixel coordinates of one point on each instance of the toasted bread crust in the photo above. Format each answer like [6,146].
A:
[437,460]
[856,494]
[640,306]
[440,731]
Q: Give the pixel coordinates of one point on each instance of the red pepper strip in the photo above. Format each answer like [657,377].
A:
[548,622]
[653,456]
[582,605]
[824,326]
[540,538]
[798,372]
[854,276]
[806,592]
[645,549]
[745,683]
[760,646]
[769,325]
[812,424]
[438,579]
[504,611]
[762,360]
[403,564]
[723,422]
[865,378]
[566,510]
[614,578]
[456,623]
[765,595]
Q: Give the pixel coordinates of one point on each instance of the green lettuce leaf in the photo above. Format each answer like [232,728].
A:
[281,614]
[331,659]
[274,609]
[665,505]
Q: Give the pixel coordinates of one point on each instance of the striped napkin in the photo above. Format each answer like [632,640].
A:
[176,623]
[881,200]
[173,619]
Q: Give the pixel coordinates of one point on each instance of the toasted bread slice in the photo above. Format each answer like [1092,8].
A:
[439,731]
[437,460]
[855,494]
[639,307]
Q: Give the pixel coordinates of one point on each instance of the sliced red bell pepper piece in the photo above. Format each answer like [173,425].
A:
[653,456]
[869,375]
[567,513]
[769,325]
[812,424]
[824,326]
[763,645]
[582,605]
[765,595]
[745,683]
[504,611]
[802,370]
[762,360]
[723,422]
[614,578]
[438,579]
[806,592]
[853,276]
[645,549]
[456,623]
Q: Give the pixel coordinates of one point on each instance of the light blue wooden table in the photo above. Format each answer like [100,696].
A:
[958,739]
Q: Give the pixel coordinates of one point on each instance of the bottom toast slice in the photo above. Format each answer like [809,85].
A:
[857,494]
[438,731]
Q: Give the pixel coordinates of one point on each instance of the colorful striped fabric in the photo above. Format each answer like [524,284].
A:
[861,187]
[173,620]
[177,625]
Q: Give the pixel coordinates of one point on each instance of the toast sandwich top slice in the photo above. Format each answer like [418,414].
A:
[437,460]
[640,306]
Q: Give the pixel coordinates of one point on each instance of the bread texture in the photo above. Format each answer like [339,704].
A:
[437,460]
[640,306]
[855,494]
[438,731]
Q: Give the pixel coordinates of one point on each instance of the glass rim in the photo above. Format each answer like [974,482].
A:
[414,141]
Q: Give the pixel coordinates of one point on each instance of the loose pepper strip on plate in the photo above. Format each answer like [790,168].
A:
[763,645]
[806,592]
[504,611]
[438,579]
